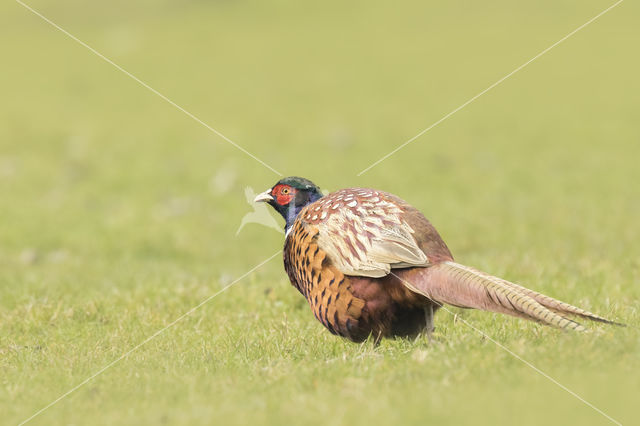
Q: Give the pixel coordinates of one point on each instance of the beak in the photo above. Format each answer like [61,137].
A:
[263,197]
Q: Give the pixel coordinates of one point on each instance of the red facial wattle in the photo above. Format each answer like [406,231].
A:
[283,194]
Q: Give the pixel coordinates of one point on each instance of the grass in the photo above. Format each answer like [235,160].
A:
[119,213]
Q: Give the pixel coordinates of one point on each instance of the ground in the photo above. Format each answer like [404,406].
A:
[119,212]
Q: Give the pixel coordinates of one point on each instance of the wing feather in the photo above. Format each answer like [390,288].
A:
[363,233]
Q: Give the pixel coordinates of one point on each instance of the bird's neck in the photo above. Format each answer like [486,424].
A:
[294,210]
[290,217]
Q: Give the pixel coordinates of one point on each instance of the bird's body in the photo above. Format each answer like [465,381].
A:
[369,263]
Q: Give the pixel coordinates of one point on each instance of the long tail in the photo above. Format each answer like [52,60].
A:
[465,287]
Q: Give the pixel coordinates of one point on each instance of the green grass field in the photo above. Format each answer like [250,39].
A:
[119,213]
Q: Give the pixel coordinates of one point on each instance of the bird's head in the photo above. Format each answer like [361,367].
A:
[290,195]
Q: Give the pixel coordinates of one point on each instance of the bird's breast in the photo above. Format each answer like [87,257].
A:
[353,307]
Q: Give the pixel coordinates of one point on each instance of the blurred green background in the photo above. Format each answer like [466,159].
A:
[119,213]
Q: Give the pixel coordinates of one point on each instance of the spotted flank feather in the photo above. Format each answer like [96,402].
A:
[325,287]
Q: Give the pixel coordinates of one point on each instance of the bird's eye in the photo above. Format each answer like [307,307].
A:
[285,191]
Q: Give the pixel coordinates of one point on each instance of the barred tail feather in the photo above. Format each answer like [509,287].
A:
[559,306]
[466,287]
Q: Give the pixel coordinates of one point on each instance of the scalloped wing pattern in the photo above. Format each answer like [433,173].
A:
[363,233]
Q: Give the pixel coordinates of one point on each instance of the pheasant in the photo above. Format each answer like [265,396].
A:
[370,264]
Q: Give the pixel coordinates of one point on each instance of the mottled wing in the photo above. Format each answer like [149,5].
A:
[363,232]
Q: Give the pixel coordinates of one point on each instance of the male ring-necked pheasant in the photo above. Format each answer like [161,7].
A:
[368,263]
